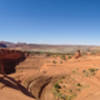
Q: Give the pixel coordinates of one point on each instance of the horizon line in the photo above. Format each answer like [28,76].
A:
[50,44]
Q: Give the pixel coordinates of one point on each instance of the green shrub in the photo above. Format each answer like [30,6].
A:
[54,62]
[89,72]
[57,86]
[69,57]
[79,85]
[63,57]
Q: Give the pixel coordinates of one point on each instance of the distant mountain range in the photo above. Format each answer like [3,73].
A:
[48,48]
[3,45]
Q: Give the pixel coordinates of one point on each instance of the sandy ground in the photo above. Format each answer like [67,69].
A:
[48,68]
[12,94]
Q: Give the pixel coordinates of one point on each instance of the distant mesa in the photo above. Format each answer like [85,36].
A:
[2,45]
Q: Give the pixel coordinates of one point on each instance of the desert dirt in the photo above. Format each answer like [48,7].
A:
[36,77]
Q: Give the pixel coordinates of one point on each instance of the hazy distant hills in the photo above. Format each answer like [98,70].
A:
[49,48]
[3,45]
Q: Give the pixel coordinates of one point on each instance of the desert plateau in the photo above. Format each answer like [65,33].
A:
[49,76]
[49,49]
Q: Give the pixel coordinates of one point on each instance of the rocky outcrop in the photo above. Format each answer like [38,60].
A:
[77,54]
[37,85]
[41,86]
[31,62]
[9,59]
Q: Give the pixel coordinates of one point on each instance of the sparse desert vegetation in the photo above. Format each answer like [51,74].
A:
[54,76]
[49,50]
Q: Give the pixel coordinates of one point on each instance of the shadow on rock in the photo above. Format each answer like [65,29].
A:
[12,83]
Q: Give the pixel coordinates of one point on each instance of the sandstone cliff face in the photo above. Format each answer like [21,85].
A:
[9,59]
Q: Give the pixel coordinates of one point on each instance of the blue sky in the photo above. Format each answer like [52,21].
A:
[50,21]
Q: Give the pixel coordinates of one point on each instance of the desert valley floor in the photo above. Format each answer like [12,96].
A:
[53,78]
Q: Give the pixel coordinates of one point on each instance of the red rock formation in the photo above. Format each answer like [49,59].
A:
[9,59]
[77,54]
